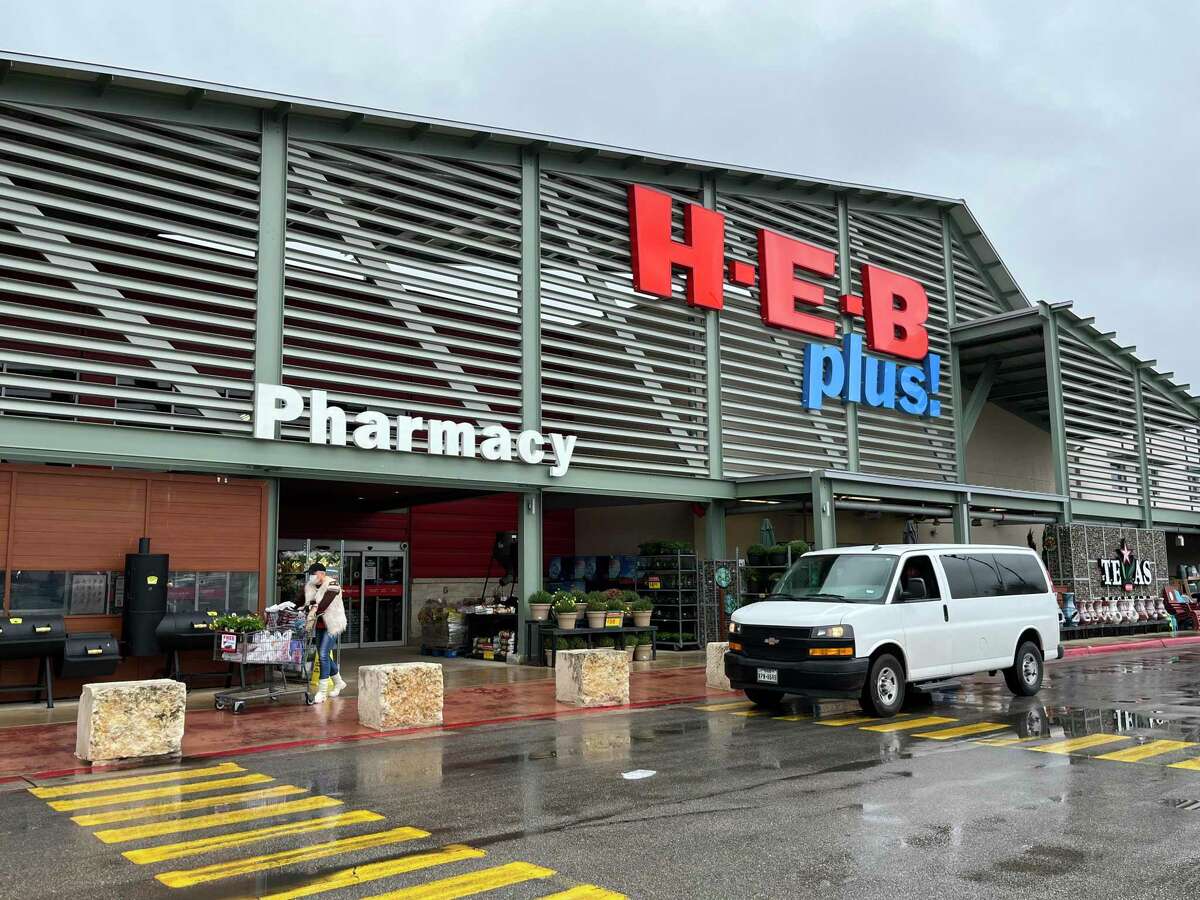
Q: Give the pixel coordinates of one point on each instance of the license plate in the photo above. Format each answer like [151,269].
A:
[768,676]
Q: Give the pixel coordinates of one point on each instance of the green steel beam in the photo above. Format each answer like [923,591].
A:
[844,282]
[1143,462]
[1058,422]
[824,513]
[960,439]
[962,519]
[714,530]
[1097,509]
[973,408]
[948,269]
[272,221]
[33,440]
[531,291]
[529,560]
[271,547]
[24,87]
[1167,517]
[712,364]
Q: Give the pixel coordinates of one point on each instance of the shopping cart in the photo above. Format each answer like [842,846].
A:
[283,648]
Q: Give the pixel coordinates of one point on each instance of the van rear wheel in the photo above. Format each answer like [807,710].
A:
[1024,677]
[883,694]
[760,697]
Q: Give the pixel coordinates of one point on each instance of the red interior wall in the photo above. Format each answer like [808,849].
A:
[448,540]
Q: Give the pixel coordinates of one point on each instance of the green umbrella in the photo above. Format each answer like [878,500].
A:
[766,533]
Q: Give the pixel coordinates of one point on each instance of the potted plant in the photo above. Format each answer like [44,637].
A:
[539,605]
[580,607]
[629,643]
[798,549]
[614,604]
[607,643]
[756,555]
[643,651]
[597,605]
[643,608]
[564,609]
[560,644]
[777,555]
[578,643]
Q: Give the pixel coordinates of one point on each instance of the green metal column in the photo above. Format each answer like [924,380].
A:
[1143,462]
[824,513]
[962,519]
[531,291]
[272,213]
[714,530]
[712,359]
[960,440]
[1058,424]
[844,282]
[529,560]
[271,545]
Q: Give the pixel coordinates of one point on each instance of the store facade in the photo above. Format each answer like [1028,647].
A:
[414,334]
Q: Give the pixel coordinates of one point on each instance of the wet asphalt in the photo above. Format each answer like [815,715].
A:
[739,806]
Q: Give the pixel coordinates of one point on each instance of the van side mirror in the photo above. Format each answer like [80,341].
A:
[914,589]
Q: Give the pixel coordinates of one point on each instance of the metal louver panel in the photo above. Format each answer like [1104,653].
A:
[765,426]
[1102,440]
[127,270]
[972,299]
[892,442]
[623,371]
[402,284]
[1172,451]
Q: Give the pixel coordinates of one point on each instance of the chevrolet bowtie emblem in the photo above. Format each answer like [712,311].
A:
[771,642]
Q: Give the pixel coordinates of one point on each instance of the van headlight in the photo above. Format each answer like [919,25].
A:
[833,632]
[735,628]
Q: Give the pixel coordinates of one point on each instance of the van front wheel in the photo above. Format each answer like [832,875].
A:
[883,694]
[1024,677]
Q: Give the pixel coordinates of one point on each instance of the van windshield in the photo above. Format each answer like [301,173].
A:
[848,577]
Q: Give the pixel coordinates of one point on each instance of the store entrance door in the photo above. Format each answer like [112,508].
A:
[374,579]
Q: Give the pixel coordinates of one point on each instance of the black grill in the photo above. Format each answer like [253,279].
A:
[771,642]
[39,637]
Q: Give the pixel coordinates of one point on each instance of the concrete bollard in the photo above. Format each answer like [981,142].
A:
[130,720]
[591,677]
[714,669]
[400,695]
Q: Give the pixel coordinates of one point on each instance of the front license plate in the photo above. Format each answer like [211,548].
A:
[768,676]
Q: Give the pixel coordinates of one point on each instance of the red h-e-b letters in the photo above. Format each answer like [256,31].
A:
[654,251]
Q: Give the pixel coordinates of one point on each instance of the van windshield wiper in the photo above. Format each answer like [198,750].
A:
[838,597]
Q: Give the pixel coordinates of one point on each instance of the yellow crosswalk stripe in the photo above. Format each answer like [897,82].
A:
[376,871]
[174,790]
[1186,764]
[752,713]
[718,707]
[214,820]
[585,892]
[906,724]
[845,720]
[240,838]
[188,877]
[1080,743]
[108,784]
[797,718]
[471,883]
[1007,740]
[1145,751]
[166,809]
[946,734]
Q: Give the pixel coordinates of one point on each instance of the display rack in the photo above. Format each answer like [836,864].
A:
[670,580]
[749,596]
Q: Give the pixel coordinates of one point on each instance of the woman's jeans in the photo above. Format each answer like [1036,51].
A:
[329,668]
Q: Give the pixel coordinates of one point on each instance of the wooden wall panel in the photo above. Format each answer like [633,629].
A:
[5,489]
[208,526]
[76,522]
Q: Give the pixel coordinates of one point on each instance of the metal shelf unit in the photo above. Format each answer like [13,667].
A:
[671,580]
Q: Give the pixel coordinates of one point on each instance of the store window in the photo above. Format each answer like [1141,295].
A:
[66,593]
[216,591]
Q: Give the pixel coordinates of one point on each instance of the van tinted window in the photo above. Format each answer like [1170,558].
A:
[1021,573]
[973,575]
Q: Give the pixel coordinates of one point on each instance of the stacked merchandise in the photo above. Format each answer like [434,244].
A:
[442,628]
[498,646]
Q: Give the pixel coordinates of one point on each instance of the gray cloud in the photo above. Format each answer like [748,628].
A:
[1070,128]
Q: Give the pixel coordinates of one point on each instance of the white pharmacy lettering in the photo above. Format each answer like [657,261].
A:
[372,430]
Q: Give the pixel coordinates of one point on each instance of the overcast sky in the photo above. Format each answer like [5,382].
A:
[1070,128]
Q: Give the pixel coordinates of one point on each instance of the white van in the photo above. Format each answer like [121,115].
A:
[870,621]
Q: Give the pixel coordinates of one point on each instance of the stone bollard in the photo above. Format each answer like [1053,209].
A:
[591,677]
[400,695]
[714,669]
[127,720]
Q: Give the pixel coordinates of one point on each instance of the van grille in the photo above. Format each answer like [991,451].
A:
[793,643]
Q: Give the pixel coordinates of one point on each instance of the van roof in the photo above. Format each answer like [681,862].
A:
[892,549]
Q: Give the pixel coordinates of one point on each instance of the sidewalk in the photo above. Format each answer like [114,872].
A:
[477,693]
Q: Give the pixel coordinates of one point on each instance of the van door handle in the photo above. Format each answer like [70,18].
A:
[945,612]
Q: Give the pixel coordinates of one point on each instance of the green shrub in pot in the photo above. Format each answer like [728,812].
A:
[539,605]
[643,609]
[563,603]
[777,555]
[756,555]
[597,606]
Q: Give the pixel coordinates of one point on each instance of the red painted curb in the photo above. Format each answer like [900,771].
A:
[1126,646]
[371,735]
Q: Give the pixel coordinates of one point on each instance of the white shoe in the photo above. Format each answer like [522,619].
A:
[338,685]
[322,692]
